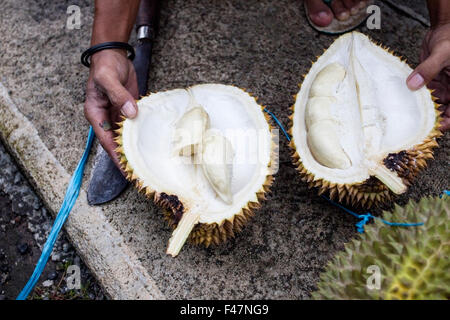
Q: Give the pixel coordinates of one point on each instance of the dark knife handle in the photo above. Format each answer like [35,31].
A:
[148,14]
[142,64]
[146,26]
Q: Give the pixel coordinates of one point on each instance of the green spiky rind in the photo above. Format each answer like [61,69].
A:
[202,233]
[413,261]
[372,192]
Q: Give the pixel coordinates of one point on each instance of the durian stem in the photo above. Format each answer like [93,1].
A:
[389,178]
[180,234]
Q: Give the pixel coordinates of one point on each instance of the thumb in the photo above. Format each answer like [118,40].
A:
[427,70]
[121,98]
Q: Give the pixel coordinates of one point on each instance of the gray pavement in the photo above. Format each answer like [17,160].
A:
[264,46]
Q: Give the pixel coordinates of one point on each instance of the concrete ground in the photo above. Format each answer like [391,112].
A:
[262,45]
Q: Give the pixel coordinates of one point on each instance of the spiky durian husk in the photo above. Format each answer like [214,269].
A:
[372,192]
[203,233]
[413,261]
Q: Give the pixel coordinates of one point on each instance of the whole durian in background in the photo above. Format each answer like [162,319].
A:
[414,262]
[206,154]
[358,133]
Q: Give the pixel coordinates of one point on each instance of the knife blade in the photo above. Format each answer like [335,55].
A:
[107,182]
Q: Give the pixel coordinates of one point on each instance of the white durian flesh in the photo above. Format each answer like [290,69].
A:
[323,139]
[220,196]
[217,164]
[189,131]
[352,111]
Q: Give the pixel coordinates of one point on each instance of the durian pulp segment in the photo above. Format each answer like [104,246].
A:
[217,164]
[354,108]
[148,146]
[323,129]
[189,130]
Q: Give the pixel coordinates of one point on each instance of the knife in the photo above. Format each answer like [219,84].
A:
[107,182]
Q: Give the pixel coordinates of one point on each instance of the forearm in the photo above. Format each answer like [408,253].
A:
[439,12]
[113,20]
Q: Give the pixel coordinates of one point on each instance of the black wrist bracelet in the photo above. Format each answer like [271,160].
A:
[106,45]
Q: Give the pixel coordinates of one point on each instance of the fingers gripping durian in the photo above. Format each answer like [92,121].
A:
[162,151]
[358,132]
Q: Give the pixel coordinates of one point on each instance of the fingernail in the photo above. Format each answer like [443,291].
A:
[322,15]
[128,110]
[416,82]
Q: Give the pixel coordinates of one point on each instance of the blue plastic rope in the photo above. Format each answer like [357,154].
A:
[278,123]
[74,188]
[69,201]
[365,218]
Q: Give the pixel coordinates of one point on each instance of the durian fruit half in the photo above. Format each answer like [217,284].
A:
[395,263]
[205,154]
[358,133]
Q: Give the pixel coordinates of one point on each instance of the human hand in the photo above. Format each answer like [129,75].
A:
[434,71]
[111,92]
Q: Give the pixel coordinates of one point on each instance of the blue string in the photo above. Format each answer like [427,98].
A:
[278,123]
[74,188]
[69,201]
[365,218]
